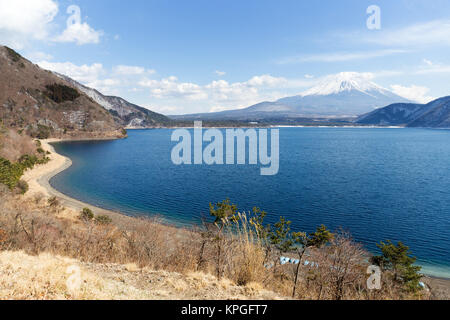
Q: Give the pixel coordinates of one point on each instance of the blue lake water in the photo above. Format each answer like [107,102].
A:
[378,184]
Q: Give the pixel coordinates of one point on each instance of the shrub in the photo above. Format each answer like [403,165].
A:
[3,237]
[14,56]
[103,220]
[23,187]
[53,202]
[10,173]
[43,132]
[87,214]
[61,93]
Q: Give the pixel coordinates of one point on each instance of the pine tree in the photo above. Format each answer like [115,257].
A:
[398,260]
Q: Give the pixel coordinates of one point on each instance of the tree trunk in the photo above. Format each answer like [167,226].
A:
[297,271]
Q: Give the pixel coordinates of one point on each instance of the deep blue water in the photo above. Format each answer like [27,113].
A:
[378,184]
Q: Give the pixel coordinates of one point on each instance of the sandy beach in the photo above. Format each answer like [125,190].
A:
[38,180]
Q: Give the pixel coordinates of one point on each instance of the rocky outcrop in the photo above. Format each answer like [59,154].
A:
[124,112]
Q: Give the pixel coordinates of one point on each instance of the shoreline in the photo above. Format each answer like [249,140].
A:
[39,177]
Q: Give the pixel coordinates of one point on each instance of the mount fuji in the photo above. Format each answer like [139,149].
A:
[346,94]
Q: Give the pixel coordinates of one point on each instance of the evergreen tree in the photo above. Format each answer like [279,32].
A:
[398,260]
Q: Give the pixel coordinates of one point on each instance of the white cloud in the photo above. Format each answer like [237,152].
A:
[220,73]
[267,80]
[24,20]
[414,93]
[435,32]
[221,94]
[86,74]
[171,88]
[76,31]
[340,56]
[80,33]
[39,56]
[131,70]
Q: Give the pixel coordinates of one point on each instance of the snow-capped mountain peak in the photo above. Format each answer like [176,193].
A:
[345,82]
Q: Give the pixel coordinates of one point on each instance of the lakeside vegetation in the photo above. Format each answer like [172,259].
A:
[12,171]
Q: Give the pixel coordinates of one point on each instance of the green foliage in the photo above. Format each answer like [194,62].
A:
[104,220]
[43,132]
[87,214]
[14,56]
[282,238]
[124,132]
[320,238]
[22,186]
[61,93]
[257,221]
[10,173]
[398,260]
[223,211]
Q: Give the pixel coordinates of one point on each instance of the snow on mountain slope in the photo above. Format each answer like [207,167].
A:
[346,82]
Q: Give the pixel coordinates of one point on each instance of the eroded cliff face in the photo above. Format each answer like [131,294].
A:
[124,112]
[43,105]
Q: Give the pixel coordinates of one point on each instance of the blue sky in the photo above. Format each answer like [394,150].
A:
[207,55]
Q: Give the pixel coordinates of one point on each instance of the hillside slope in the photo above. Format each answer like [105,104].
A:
[435,114]
[45,277]
[43,105]
[125,113]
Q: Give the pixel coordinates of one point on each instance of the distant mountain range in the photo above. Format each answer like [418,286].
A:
[435,114]
[347,94]
[125,113]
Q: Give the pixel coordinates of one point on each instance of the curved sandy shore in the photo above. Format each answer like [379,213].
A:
[38,179]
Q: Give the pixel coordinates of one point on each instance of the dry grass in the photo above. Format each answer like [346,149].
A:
[130,256]
[45,277]
[13,145]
